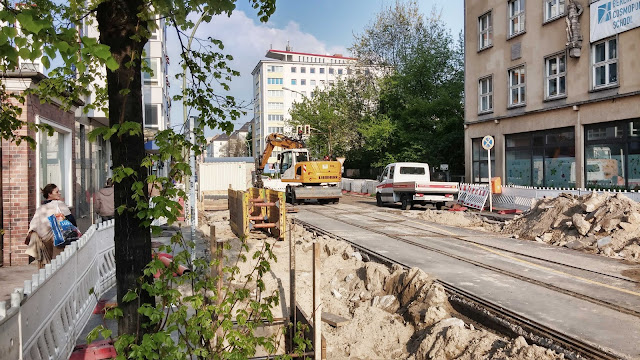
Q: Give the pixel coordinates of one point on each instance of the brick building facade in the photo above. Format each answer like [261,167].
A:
[26,170]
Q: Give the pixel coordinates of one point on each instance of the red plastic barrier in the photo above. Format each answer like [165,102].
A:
[97,350]
[167,259]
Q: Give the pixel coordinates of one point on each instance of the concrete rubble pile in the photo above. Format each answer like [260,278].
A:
[394,313]
[597,223]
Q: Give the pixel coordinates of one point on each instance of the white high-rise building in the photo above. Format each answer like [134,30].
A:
[284,78]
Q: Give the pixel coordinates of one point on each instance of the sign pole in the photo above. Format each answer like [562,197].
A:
[490,190]
[487,144]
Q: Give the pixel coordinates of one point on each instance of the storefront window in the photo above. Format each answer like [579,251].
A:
[54,161]
[480,166]
[612,155]
[542,158]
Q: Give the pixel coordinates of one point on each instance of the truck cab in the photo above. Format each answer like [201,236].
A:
[410,184]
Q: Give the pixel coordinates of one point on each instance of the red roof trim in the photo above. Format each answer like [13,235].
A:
[300,53]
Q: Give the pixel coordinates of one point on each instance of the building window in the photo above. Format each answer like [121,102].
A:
[293,69]
[322,70]
[312,70]
[55,160]
[339,71]
[272,117]
[275,106]
[485,94]
[485,31]
[274,81]
[480,166]
[556,74]
[293,82]
[331,71]
[553,9]
[151,115]
[605,63]
[275,68]
[303,82]
[516,17]
[276,129]
[152,79]
[312,82]
[517,86]
[612,155]
[276,93]
[541,158]
[303,70]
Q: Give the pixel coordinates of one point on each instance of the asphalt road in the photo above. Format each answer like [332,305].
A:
[582,295]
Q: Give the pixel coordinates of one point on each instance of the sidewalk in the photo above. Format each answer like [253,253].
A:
[12,277]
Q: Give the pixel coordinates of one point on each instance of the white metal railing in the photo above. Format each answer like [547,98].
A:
[512,196]
[46,316]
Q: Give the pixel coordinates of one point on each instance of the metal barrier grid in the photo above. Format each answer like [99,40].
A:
[47,315]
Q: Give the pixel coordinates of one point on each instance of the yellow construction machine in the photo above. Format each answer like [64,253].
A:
[305,179]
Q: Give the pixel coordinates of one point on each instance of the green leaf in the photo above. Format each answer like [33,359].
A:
[129,296]
[112,64]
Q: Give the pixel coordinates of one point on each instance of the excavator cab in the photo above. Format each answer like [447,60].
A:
[289,159]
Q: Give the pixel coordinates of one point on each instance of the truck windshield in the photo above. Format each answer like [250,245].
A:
[302,157]
[409,170]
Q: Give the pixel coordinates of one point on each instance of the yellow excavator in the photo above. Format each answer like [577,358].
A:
[305,179]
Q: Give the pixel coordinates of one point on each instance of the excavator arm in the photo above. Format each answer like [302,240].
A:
[271,142]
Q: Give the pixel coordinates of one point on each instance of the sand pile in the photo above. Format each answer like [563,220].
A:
[598,223]
[456,218]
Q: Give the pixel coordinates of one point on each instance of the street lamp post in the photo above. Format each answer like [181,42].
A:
[192,160]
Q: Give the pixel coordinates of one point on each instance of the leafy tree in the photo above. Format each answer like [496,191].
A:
[334,114]
[392,38]
[49,30]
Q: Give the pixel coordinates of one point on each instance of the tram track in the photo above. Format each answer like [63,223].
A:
[400,219]
[512,274]
[498,316]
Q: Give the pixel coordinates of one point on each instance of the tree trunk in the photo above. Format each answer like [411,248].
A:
[117,23]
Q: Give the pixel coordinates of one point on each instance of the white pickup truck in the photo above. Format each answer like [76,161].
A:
[410,184]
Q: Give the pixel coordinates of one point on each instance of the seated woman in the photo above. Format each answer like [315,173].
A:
[40,238]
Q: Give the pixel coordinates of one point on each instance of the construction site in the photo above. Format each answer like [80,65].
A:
[379,301]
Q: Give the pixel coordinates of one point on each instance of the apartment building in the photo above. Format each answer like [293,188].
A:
[284,78]
[557,84]
[93,159]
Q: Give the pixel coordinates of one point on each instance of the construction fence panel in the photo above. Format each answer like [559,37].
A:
[238,211]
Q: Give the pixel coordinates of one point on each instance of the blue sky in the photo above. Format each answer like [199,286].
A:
[314,26]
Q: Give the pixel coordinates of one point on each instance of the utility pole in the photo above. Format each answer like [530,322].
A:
[192,160]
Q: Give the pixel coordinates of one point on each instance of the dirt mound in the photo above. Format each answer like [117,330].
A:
[598,223]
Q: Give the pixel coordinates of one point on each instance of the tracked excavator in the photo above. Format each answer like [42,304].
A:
[305,179]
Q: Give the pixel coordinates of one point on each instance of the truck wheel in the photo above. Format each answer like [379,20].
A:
[336,200]
[378,199]
[439,206]
[406,203]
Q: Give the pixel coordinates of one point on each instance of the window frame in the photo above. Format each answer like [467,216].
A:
[157,107]
[520,85]
[147,78]
[557,76]
[606,63]
[488,30]
[67,181]
[511,16]
[560,14]
[489,94]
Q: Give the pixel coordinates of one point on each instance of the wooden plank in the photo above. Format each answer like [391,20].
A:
[333,319]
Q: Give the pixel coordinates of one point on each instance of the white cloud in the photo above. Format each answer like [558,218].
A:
[247,40]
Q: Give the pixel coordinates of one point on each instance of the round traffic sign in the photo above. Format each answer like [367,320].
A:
[488,142]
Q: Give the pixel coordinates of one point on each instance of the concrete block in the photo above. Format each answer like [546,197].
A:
[604,242]
[575,245]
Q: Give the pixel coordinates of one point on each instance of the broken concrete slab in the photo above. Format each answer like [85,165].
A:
[581,224]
